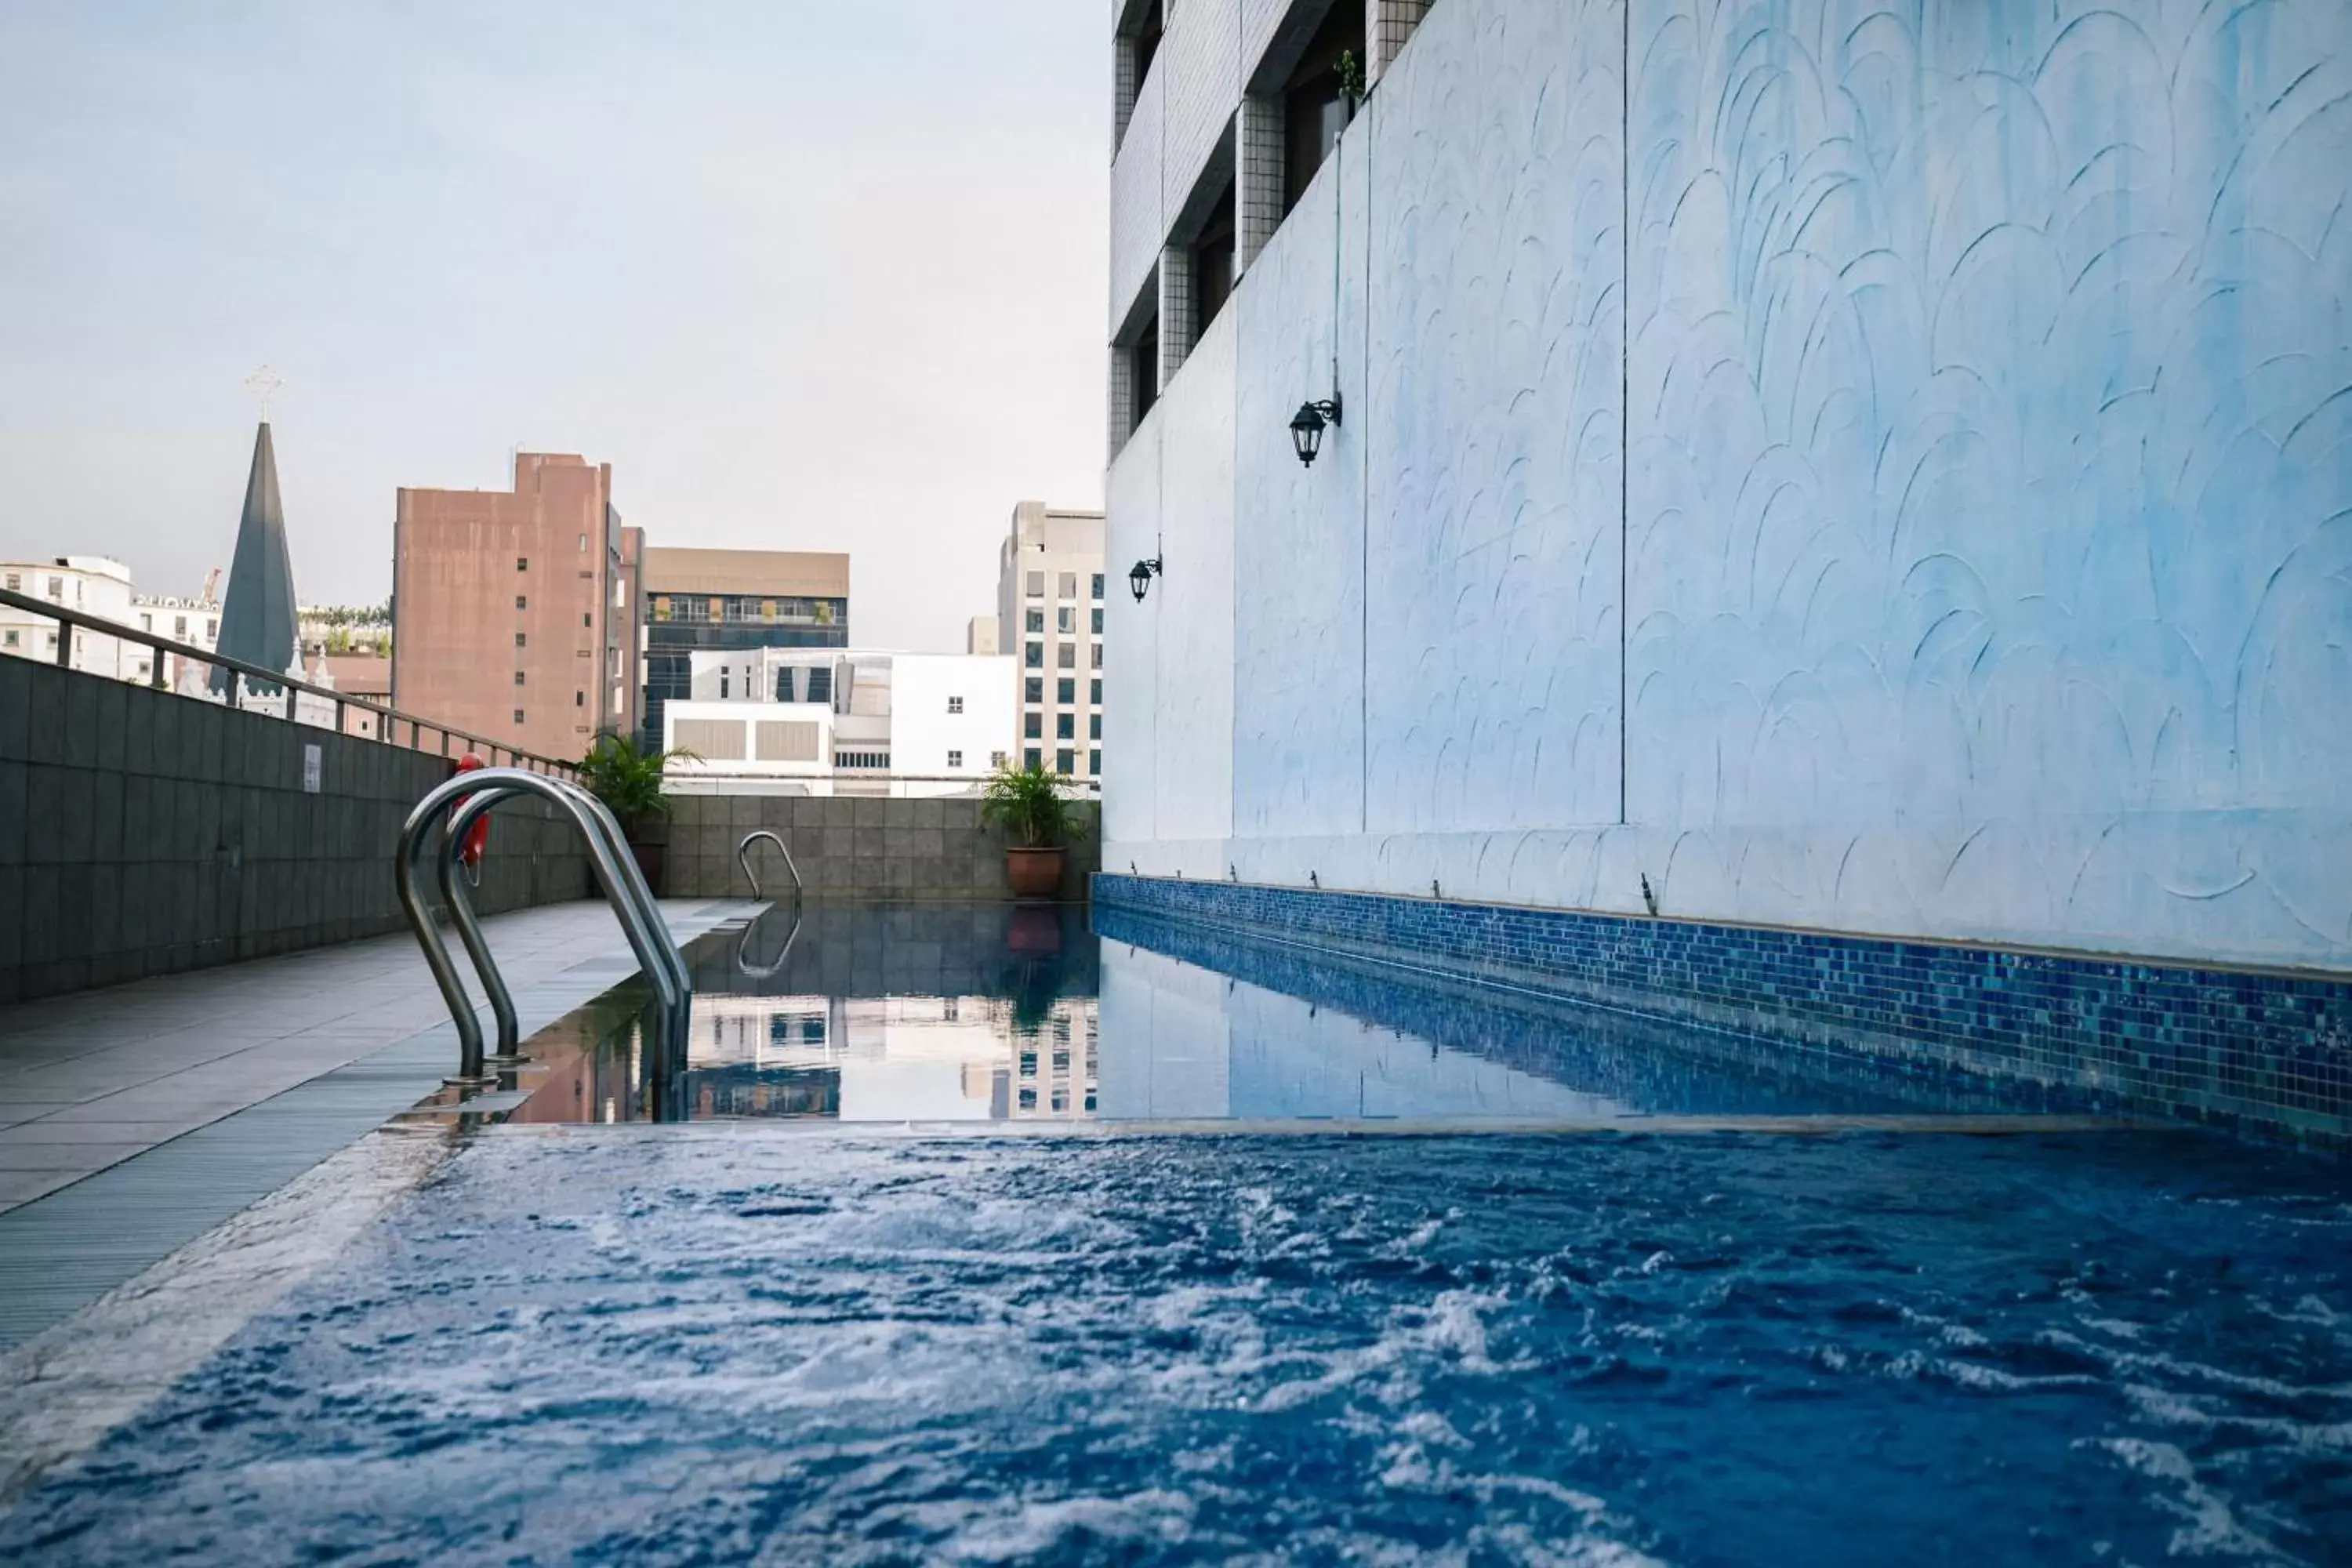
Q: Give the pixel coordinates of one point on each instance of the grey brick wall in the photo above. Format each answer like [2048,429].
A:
[144,833]
[852,849]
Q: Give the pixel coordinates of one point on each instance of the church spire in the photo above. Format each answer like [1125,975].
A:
[257,623]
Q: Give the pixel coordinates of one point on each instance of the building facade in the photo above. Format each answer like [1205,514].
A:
[1050,617]
[1886,478]
[840,721]
[92,585]
[698,601]
[514,611]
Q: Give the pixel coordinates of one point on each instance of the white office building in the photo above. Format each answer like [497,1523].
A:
[840,721]
[91,585]
[1049,616]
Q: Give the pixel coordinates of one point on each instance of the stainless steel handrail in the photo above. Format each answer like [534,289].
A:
[50,610]
[743,858]
[672,981]
[617,874]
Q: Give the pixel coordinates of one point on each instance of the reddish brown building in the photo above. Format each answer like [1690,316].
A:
[514,612]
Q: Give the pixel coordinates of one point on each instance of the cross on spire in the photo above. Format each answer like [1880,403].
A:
[262,384]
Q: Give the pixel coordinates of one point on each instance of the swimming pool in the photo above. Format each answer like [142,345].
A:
[788,1333]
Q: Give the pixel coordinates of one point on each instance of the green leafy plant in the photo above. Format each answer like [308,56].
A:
[1028,804]
[628,780]
[1351,78]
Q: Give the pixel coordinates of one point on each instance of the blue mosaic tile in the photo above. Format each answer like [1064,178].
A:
[2269,1055]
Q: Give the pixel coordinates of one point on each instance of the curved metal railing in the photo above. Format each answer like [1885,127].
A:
[617,873]
[743,858]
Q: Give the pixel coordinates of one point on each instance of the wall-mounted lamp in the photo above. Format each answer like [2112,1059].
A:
[1139,577]
[1307,426]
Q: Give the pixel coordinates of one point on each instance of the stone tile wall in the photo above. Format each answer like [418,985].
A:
[145,833]
[851,849]
[2267,1053]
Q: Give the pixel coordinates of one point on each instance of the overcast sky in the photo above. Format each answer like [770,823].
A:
[808,275]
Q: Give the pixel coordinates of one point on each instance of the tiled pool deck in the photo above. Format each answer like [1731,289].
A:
[134,1118]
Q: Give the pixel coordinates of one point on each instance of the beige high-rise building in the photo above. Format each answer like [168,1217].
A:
[979,635]
[1049,615]
[514,612]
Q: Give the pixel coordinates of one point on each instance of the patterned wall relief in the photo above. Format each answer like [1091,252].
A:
[1989,479]
[1298,535]
[1496,208]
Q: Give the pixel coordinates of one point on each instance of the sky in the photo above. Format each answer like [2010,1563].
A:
[807,275]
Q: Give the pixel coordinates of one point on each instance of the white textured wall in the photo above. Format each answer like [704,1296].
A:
[1974,548]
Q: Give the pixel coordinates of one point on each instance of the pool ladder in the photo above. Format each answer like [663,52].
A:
[743,858]
[465,799]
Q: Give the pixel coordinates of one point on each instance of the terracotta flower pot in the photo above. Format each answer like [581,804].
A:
[650,842]
[1033,873]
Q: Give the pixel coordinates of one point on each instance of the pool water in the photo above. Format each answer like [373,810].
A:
[988,1013]
[787,1331]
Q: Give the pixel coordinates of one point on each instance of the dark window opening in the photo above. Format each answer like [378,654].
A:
[820,684]
[1143,369]
[1314,110]
[1150,28]
[1212,264]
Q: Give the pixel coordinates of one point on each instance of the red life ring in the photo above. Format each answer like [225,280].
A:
[478,838]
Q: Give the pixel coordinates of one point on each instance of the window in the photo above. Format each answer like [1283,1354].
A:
[1066,620]
[820,684]
[955,759]
[1068,585]
[1097,655]
[523,601]
[1097,626]
[146,622]
[1033,757]
[588,621]
[1066,654]
[723,685]
[955,704]
[1034,656]
[518,678]
[57,589]
[517,715]
[1061,760]
[11,641]
[1033,689]
[1064,728]
[1098,593]
[16,581]
[584,545]
[579,700]
[212,630]
[1094,726]
[1212,263]
[1314,111]
[523,562]
[179,628]
[1094,692]
[1066,690]
[1035,620]
[1031,726]
[1143,370]
[1094,763]
[519,640]
[996,759]
[1036,585]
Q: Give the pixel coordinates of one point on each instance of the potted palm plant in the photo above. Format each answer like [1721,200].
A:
[1028,804]
[629,782]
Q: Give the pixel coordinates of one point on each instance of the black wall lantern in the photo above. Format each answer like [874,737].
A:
[1307,426]
[1139,577]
